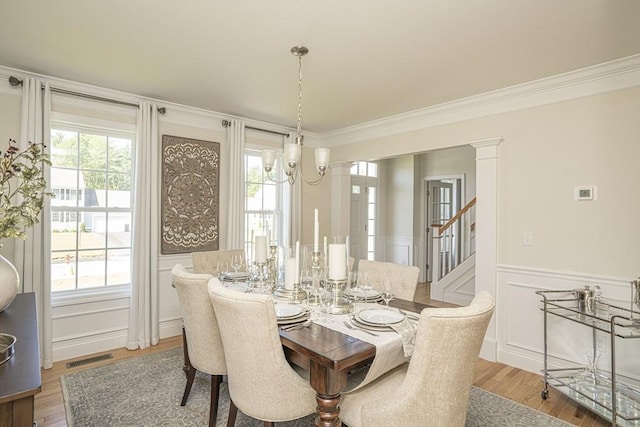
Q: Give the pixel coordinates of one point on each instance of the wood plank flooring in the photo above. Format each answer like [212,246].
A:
[512,383]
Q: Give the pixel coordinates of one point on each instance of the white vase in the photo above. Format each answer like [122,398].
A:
[9,283]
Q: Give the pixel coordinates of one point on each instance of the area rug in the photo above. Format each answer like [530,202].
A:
[146,391]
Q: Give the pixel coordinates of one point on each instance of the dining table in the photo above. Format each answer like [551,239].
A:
[330,356]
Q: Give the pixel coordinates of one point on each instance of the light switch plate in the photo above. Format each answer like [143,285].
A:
[527,238]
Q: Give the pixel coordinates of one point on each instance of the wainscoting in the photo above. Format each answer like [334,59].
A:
[520,322]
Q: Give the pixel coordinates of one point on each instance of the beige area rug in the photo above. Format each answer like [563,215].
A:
[146,391]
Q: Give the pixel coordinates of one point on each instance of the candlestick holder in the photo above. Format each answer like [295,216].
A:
[340,304]
[272,268]
[295,295]
[312,294]
[260,276]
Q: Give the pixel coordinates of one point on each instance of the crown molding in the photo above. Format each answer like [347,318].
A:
[614,75]
[606,77]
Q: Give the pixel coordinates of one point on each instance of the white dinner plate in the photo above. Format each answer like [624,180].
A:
[290,321]
[363,293]
[288,311]
[377,328]
[379,316]
[236,276]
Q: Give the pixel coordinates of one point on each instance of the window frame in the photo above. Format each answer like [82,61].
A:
[113,129]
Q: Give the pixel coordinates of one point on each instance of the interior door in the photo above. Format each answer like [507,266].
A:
[439,209]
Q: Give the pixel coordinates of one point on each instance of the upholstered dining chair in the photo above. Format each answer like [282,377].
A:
[404,278]
[261,383]
[207,261]
[433,387]
[202,333]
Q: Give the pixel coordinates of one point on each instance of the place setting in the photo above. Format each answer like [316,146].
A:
[290,315]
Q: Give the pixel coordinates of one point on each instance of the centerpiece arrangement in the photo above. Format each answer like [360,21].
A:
[22,193]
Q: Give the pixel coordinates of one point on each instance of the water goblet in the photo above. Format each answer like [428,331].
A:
[223,269]
[236,263]
[387,292]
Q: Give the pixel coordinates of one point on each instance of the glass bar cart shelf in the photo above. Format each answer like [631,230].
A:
[596,393]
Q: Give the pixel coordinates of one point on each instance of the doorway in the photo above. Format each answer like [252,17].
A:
[443,196]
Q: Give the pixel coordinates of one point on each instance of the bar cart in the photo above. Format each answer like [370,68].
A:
[599,391]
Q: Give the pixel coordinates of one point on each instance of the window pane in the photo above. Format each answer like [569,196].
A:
[371,210]
[63,231]
[119,194]
[91,269]
[64,148]
[119,267]
[63,271]
[372,169]
[120,155]
[269,197]
[355,189]
[372,194]
[354,169]
[93,152]
[119,235]
[64,187]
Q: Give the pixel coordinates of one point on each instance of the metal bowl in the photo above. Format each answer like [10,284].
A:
[7,343]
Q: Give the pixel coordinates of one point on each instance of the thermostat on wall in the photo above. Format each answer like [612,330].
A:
[586,193]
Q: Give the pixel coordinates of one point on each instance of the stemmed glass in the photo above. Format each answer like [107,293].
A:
[223,269]
[236,263]
[387,291]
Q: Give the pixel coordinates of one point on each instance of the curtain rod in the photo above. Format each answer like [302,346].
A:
[227,123]
[13,81]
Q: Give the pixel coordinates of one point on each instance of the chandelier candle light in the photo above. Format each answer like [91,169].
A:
[292,152]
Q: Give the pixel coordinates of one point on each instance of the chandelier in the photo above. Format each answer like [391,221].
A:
[292,152]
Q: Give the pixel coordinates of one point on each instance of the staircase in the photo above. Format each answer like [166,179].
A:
[453,257]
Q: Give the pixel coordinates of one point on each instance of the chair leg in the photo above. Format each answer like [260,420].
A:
[191,374]
[233,413]
[269,424]
[216,380]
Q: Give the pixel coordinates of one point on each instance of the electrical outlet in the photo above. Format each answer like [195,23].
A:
[527,238]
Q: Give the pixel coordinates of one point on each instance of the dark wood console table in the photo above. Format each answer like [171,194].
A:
[20,377]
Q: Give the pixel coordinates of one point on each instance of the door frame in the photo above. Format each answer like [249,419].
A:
[425,227]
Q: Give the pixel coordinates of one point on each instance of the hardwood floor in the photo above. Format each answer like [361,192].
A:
[512,383]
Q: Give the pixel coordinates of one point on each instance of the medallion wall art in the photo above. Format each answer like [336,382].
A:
[190,192]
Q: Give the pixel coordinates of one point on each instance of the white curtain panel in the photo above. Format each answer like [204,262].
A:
[143,311]
[235,205]
[32,256]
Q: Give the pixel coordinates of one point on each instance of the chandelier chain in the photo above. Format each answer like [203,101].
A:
[299,94]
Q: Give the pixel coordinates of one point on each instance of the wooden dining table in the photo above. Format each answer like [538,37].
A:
[330,356]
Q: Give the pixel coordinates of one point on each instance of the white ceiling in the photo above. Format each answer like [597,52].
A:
[368,59]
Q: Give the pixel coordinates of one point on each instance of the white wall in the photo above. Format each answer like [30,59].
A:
[546,151]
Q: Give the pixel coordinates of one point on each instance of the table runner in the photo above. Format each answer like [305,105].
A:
[389,349]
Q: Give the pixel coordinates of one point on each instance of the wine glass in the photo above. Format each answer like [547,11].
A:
[236,263]
[387,291]
[223,269]
[306,281]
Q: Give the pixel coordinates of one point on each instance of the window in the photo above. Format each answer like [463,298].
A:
[364,181]
[265,201]
[92,212]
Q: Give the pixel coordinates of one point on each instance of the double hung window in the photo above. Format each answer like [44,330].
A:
[92,212]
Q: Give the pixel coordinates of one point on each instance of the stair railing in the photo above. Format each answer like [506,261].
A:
[453,241]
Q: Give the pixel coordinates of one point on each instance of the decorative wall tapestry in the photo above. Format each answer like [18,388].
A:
[190,192]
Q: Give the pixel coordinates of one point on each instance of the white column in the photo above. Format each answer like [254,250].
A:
[340,198]
[487,232]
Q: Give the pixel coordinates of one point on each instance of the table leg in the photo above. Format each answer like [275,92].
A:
[328,411]
[328,383]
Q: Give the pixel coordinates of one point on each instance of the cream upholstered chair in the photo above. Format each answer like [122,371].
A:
[201,329]
[207,262]
[261,382]
[404,278]
[433,387]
